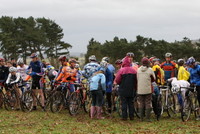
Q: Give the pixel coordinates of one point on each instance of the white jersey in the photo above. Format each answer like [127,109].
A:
[13,78]
[22,71]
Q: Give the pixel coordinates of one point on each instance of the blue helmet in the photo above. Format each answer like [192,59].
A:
[190,61]
[49,67]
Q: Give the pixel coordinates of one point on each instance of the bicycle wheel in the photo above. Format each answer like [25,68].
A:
[87,102]
[119,106]
[159,109]
[171,106]
[186,110]
[27,101]
[74,103]
[11,100]
[136,109]
[1,99]
[57,102]
[196,107]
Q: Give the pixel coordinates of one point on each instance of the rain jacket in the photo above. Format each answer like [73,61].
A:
[126,79]
[145,77]
[195,75]
[183,74]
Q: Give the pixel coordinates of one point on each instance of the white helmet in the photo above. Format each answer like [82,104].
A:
[105,59]
[104,64]
[92,58]
[77,66]
[175,88]
[12,69]
[20,61]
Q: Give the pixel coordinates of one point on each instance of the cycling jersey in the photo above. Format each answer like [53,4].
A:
[13,78]
[67,73]
[22,71]
[89,69]
[4,71]
[36,68]
[159,73]
[195,75]
[169,69]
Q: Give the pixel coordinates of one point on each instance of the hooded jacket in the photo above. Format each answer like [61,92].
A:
[145,77]
[126,79]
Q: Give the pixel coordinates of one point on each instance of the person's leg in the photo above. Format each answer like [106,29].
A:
[124,108]
[108,99]
[141,106]
[130,108]
[93,106]
[148,106]
[99,104]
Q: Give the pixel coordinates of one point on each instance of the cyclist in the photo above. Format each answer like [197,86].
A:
[13,62]
[109,83]
[4,71]
[35,70]
[97,87]
[159,73]
[3,74]
[21,68]
[64,62]
[68,75]
[131,56]
[145,77]
[183,74]
[126,79]
[51,74]
[13,80]
[169,67]
[194,70]
[91,67]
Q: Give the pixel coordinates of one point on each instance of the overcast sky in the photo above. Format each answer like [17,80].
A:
[103,19]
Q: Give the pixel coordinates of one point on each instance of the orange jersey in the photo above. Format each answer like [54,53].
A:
[66,73]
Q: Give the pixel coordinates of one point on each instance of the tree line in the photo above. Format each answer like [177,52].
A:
[19,37]
[142,46]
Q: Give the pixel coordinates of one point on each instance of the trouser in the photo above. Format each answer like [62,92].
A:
[127,105]
[108,99]
[97,98]
[145,101]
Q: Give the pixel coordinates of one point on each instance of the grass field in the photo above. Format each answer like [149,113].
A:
[12,122]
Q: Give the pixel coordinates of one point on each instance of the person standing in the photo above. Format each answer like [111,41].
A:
[127,81]
[145,77]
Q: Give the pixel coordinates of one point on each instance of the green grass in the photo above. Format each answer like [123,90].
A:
[47,122]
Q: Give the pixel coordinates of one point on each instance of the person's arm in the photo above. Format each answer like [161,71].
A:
[8,79]
[118,77]
[103,82]
[18,78]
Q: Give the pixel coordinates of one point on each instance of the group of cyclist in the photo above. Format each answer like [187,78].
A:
[129,77]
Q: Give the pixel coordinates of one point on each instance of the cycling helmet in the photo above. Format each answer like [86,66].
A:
[12,69]
[180,62]
[103,64]
[50,67]
[105,59]
[72,61]
[118,62]
[1,59]
[62,58]
[151,59]
[168,55]
[33,55]
[175,88]
[77,66]
[145,61]
[20,61]
[155,59]
[130,54]
[92,58]
[190,61]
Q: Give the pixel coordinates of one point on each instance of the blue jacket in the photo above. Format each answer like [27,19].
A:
[94,82]
[37,68]
[109,80]
[195,75]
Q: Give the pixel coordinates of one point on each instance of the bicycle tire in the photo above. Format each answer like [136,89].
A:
[135,106]
[74,103]
[196,107]
[171,106]
[57,102]
[1,99]
[27,101]
[119,106]
[186,110]
[87,102]
[160,108]
[10,101]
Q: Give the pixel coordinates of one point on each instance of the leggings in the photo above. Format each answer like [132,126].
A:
[97,98]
